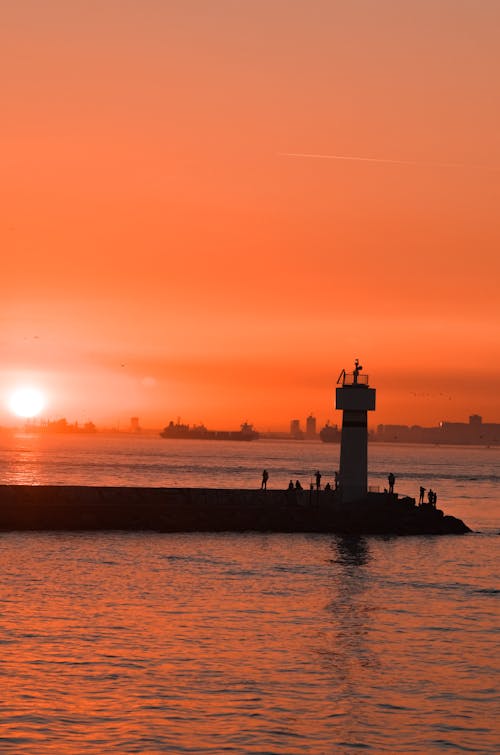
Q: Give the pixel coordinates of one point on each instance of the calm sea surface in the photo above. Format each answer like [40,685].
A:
[270,644]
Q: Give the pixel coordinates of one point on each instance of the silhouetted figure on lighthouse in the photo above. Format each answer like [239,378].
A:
[356,371]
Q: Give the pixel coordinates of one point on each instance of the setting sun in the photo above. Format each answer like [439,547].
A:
[26,402]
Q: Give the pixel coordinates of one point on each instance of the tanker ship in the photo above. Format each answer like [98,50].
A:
[177,430]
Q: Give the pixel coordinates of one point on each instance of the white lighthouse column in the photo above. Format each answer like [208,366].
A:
[355,398]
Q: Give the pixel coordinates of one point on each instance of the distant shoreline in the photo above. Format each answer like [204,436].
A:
[267,437]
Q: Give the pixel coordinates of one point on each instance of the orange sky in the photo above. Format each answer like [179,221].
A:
[164,256]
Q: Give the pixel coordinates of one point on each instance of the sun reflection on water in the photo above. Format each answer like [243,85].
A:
[23,465]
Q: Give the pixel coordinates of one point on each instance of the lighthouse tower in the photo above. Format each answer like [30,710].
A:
[355,398]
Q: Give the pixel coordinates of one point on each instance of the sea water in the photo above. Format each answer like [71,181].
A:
[153,643]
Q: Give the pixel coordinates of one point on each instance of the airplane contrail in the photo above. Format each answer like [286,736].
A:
[355,158]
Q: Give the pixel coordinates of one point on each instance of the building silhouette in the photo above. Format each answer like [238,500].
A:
[310,427]
[473,432]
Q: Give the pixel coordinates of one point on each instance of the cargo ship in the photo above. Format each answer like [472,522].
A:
[177,430]
[330,434]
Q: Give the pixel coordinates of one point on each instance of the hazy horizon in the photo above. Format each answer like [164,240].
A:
[124,423]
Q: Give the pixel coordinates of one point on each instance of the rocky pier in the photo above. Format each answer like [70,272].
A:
[80,508]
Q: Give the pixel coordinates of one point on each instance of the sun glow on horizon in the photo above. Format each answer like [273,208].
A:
[26,402]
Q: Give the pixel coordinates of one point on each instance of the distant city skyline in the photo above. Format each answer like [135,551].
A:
[474,430]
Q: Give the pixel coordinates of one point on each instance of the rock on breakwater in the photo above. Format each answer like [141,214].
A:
[74,508]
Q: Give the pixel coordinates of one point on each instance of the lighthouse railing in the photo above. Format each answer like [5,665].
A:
[352,378]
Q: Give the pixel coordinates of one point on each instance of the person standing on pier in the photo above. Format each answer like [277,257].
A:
[391,480]
[318,479]
[337,480]
[265,477]
[421,498]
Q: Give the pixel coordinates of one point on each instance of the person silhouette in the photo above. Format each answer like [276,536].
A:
[318,479]
[290,485]
[421,498]
[298,486]
[265,477]
[356,371]
[391,480]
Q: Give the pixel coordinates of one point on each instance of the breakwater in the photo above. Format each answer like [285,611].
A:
[76,508]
